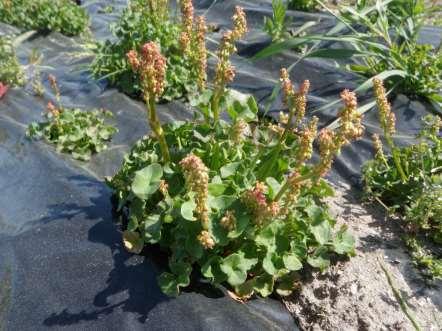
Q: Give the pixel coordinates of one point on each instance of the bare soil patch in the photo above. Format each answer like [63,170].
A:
[355,294]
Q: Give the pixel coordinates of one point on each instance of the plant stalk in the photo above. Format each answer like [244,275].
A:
[288,183]
[157,129]
[214,105]
[396,159]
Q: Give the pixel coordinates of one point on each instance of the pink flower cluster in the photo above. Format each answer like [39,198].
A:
[256,202]
[225,72]
[351,128]
[193,42]
[150,64]
[296,102]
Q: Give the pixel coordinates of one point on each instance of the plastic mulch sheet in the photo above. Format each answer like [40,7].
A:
[62,264]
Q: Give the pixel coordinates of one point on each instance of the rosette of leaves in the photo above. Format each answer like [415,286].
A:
[74,131]
[63,16]
[11,73]
[418,197]
[138,25]
[248,255]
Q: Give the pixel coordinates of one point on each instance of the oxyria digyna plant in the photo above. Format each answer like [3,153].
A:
[181,39]
[239,202]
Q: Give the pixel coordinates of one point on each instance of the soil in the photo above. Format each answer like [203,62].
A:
[355,294]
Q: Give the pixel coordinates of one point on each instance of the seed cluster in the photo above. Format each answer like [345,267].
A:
[239,130]
[193,42]
[151,66]
[225,72]
[351,128]
[296,102]
[307,136]
[53,110]
[206,239]
[387,117]
[196,175]
[255,200]
[379,151]
[164,187]
[228,221]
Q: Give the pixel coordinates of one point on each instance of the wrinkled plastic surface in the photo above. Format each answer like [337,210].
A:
[62,264]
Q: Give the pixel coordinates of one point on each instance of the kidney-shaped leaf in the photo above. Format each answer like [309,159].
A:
[147,181]
[235,266]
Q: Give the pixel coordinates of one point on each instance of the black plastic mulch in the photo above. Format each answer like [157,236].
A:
[62,264]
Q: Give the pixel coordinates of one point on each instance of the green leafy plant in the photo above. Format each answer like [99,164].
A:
[276,27]
[303,5]
[143,21]
[235,201]
[410,180]
[63,16]
[380,40]
[80,133]
[11,72]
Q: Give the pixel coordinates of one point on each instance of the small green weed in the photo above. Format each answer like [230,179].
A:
[80,133]
[45,15]
[140,23]
[409,181]
[11,73]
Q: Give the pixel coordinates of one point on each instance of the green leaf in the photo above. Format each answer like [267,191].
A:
[319,259]
[274,186]
[168,284]
[222,202]
[235,266]
[136,214]
[242,220]
[216,189]
[382,76]
[344,242]
[291,262]
[321,231]
[272,263]
[273,238]
[187,209]
[211,270]
[182,271]
[278,47]
[323,189]
[253,106]
[147,181]
[246,289]
[229,169]
[336,53]
[152,228]
[286,284]
[264,284]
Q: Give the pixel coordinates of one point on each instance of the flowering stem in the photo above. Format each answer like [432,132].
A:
[288,183]
[157,129]
[396,158]
[214,104]
[288,127]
